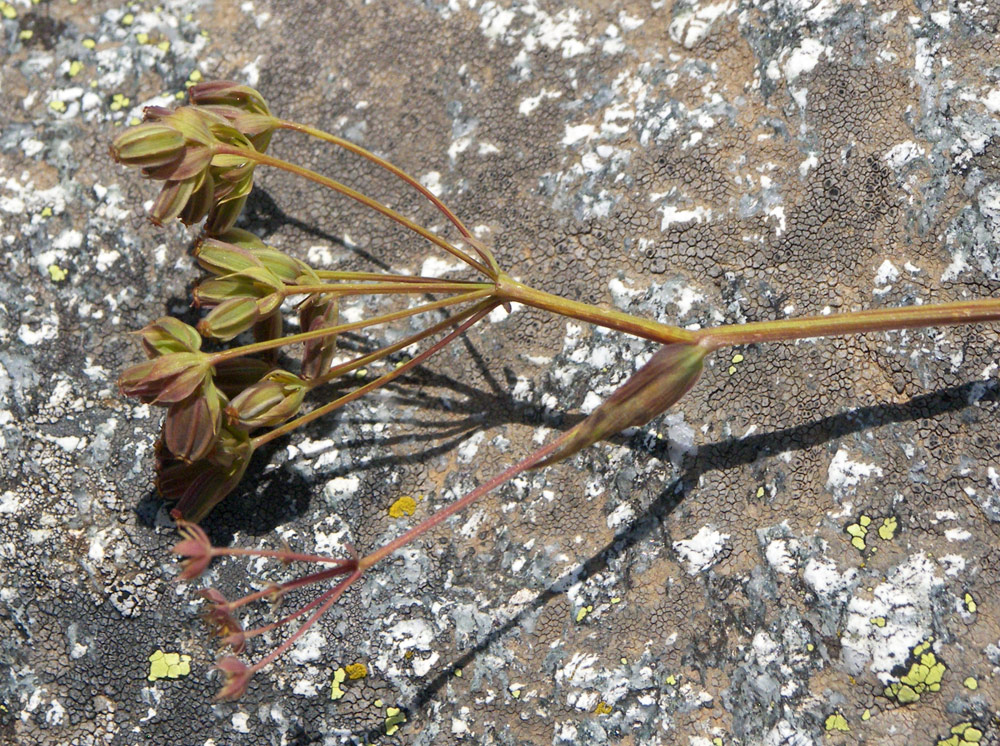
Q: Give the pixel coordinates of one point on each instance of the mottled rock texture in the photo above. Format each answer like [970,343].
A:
[763,565]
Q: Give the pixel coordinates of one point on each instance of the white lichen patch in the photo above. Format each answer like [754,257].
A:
[844,475]
[905,602]
[701,550]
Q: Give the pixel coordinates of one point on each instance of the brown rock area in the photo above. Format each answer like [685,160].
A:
[804,551]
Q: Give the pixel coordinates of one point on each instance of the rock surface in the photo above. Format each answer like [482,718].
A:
[804,551]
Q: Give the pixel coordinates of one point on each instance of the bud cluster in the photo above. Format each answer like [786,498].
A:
[190,149]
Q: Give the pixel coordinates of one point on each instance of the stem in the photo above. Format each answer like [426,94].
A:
[484,308]
[332,274]
[852,322]
[510,290]
[274,554]
[271,344]
[331,597]
[293,584]
[385,288]
[382,352]
[367,201]
[459,505]
[400,173]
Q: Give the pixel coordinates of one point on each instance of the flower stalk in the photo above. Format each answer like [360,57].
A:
[205,154]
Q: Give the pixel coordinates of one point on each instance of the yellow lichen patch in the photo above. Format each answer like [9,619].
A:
[356,671]
[75,68]
[128,19]
[393,719]
[671,680]
[25,34]
[736,360]
[119,101]
[193,79]
[717,741]
[142,37]
[866,715]
[971,683]
[837,722]
[581,614]
[7,11]
[163,46]
[336,691]
[878,621]
[924,676]
[168,665]
[89,43]
[858,531]
[962,734]
[888,528]
[405,505]
[46,212]
[57,273]
[603,708]
[970,603]
[59,106]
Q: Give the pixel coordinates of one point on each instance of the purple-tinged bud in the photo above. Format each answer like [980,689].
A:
[237,675]
[317,312]
[657,385]
[235,374]
[167,379]
[171,201]
[192,425]
[198,487]
[223,258]
[223,215]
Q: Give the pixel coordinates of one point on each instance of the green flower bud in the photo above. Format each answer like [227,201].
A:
[221,257]
[230,319]
[657,385]
[168,335]
[276,398]
[223,215]
[148,146]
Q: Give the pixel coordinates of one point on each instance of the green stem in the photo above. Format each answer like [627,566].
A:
[271,344]
[385,288]
[330,274]
[852,322]
[483,308]
[358,150]
[382,352]
[510,290]
[367,201]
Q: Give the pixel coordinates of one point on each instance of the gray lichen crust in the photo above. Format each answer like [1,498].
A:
[805,551]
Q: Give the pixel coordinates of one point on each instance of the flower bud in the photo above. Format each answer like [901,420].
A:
[276,398]
[223,215]
[318,312]
[235,374]
[230,318]
[192,425]
[168,335]
[221,257]
[198,487]
[147,146]
[166,379]
[657,385]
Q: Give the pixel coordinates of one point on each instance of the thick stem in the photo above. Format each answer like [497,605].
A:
[367,201]
[260,440]
[253,349]
[400,173]
[510,290]
[854,322]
